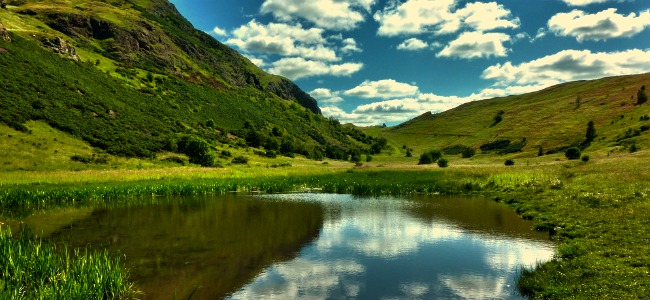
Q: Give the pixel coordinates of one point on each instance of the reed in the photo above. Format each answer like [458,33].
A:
[32,269]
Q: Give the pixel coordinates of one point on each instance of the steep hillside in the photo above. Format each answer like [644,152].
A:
[133,77]
[553,119]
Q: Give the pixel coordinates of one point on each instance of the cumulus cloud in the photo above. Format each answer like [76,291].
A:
[442,17]
[569,65]
[383,89]
[603,25]
[413,44]
[218,31]
[328,14]
[282,39]
[350,45]
[326,96]
[583,2]
[296,68]
[476,45]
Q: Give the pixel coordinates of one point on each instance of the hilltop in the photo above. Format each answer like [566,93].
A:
[135,79]
[554,119]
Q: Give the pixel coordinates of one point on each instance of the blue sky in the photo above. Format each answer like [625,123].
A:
[370,62]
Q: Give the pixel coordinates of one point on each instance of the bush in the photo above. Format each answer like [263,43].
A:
[509,162]
[242,160]
[585,158]
[197,149]
[81,158]
[468,152]
[634,148]
[368,158]
[408,153]
[429,157]
[443,162]
[572,153]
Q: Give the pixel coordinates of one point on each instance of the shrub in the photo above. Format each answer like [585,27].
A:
[641,96]
[540,151]
[242,160]
[572,153]
[429,157]
[81,158]
[509,162]
[634,148]
[368,158]
[591,132]
[468,152]
[408,153]
[585,158]
[443,162]
[197,149]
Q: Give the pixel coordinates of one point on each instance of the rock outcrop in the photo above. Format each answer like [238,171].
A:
[62,47]
[4,33]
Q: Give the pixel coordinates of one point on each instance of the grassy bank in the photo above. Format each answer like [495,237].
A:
[32,269]
[596,210]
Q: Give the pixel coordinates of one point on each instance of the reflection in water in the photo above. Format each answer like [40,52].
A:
[215,244]
[382,248]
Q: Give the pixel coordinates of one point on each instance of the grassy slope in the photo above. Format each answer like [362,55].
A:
[549,118]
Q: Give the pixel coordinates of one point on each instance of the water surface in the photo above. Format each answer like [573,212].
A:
[310,246]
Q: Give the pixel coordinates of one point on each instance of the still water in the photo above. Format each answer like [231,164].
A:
[312,246]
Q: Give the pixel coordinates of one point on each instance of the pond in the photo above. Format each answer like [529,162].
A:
[309,245]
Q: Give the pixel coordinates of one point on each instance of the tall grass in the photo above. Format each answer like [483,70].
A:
[31,269]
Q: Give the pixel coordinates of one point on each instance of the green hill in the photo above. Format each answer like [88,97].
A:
[133,78]
[553,119]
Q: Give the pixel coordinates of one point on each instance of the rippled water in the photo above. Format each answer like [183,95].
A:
[309,246]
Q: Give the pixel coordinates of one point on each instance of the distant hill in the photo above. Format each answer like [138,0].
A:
[553,119]
[132,77]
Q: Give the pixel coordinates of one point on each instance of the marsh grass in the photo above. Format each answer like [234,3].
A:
[32,269]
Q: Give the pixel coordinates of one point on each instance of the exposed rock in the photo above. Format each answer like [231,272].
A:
[4,33]
[288,90]
[62,47]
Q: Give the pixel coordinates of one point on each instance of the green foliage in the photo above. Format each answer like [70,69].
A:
[368,158]
[443,162]
[509,162]
[633,148]
[572,153]
[240,160]
[540,151]
[591,132]
[32,269]
[503,146]
[585,158]
[429,157]
[465,151]
[498,118]
[641,96]
[409,153]
[198,150]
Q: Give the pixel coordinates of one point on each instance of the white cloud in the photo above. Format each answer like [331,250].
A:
[603,25]
[583,2]
[350,45]
[326,96]
[441,17]
[487,16]
[384,89]
[569,65]
[282,39]
[413,44]
[296,68]
[476,45]
[329,14]
[220,32]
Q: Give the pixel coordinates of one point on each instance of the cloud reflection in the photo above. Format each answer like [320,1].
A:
[375,236]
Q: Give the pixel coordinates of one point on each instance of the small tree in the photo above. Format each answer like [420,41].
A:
[368,158]
[408,153]
[429,157]
[468,152]
[198,150]
[572,153]
[509,162]
[591,132]
[641,96]
[443,162]
[540,151]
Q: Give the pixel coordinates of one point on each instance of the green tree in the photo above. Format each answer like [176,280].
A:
[572,153]
[443,162]
[409,153]
[591,132]
[429,157]
[198,150]
[641,96]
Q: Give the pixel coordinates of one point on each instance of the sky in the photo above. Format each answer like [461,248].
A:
[372,62]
